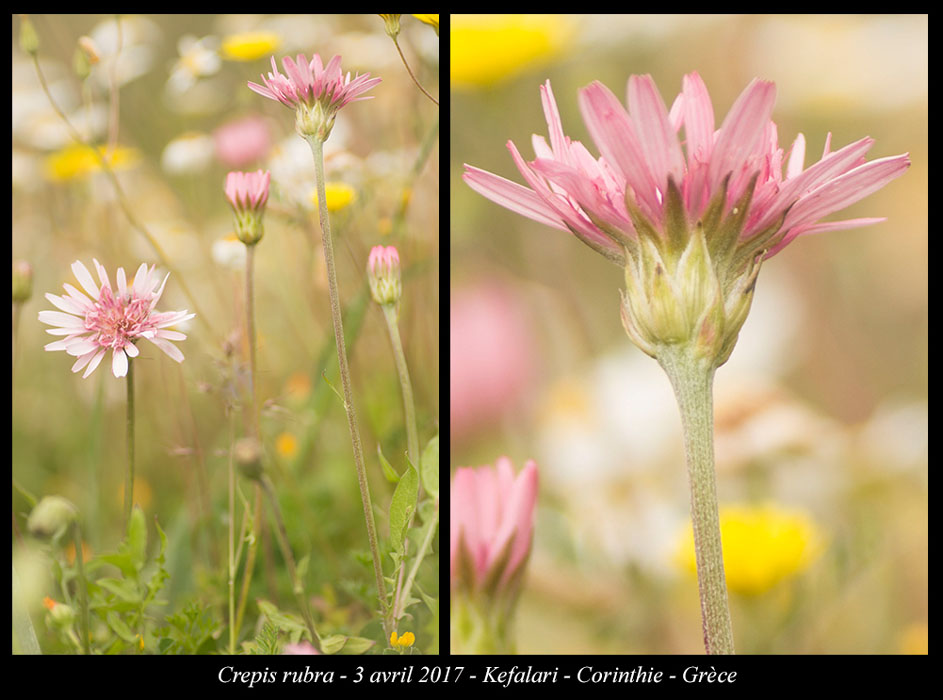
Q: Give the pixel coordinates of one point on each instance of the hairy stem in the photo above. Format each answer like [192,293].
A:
[692,379]
[129,481]
[317,149]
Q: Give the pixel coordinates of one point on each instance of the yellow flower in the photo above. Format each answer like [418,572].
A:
[489,48]
[143,494]
[914,639]
[287,445]
[338,195]
[250,46]
[77,161]
[431,20]
[407,639]
[763,545]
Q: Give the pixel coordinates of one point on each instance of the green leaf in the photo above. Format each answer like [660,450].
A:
[120,628]
[125,590]
[333,643]
[357,645]
[388,470]
[430,467]
[136,542]
[402,506]
[122,560]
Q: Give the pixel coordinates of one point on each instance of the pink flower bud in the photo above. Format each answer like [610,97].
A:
[383,274]
[492,526]
[248,193]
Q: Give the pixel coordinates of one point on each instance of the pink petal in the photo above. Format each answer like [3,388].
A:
[512,196]
[742,130]
[656,136]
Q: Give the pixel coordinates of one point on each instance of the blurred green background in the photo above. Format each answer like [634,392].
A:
[821,413]
[180,78]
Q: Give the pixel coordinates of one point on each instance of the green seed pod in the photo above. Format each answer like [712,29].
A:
[51,517]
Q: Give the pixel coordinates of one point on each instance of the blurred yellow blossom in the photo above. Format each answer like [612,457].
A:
[249,46]
[763,545]
[77,161]
[143,493]
[914,639]
[431,20]
[489,48]
[338,195]
[287,445]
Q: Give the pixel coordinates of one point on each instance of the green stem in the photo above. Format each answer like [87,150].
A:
[420,555]
[83,587]
[409,406]
[410,71]
[692,379]
[129,482]
[232,539]
[282,536]
[250,331]
[317,150]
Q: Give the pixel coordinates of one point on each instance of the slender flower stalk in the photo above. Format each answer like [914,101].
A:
[690,228]
[392,30]
[129,481]
[383,274]
[232,539]
[316,92]
[248,194]
[317,149]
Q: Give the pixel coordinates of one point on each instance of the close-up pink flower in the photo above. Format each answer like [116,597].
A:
[308,82]
[491,525]
[642,169]
[241,142]
[112,319]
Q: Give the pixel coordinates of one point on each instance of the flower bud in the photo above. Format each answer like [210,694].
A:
[247,452]
[29,39]
[248,194]
[383,273]
[22,281]
[51,517]
[392,24]
[60,614]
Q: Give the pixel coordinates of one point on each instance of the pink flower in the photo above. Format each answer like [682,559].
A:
[383,273]
[307,83]
[643,170]
[492,355]
[241,142]
[300,649]
[111,319]
[247,190]
[491,526]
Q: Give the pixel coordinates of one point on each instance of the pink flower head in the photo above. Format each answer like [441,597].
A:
[112,319]
[491,526]
[247,190]
[307,83]
[383,273]
[643,177]
[243,141]
[314,90]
